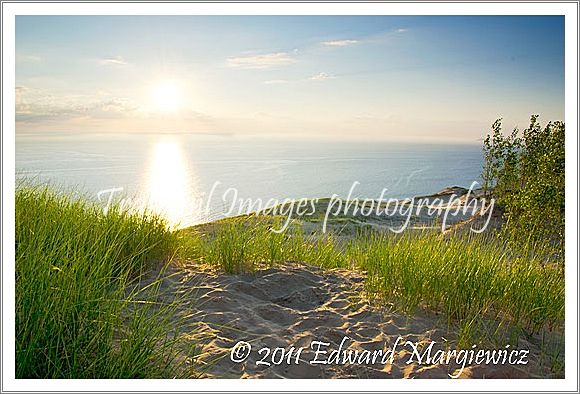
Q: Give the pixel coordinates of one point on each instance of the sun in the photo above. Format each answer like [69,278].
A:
[166,96]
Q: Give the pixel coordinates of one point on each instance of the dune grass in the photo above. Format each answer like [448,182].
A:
[246,243]
[470,279]
[78,311]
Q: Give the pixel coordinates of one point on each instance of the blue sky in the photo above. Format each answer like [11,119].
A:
[368,77]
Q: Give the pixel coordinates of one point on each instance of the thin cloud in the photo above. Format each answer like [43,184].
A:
[322,77]
[28,58]
[382,37]
[339,43]
[33,105]
[113,61]
[276,81]
[259,62]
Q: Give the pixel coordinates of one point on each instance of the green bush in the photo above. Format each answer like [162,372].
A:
[525,172]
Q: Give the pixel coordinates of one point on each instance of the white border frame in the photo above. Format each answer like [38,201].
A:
[569,9]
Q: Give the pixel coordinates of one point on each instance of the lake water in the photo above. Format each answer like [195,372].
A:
[174,174]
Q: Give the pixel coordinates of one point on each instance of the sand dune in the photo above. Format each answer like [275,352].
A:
[295,304]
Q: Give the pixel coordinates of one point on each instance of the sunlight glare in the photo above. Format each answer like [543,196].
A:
[168,184]
[166,96]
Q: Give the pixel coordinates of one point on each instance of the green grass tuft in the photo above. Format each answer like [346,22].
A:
[468,278]
[76,315]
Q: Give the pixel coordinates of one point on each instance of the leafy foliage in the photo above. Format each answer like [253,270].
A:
[526,174]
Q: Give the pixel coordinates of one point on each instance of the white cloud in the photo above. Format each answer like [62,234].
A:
[24,58]
[402,30]
[113,61]
[322,77]
[33,105]
[276,81]
[261,61]
[339,43]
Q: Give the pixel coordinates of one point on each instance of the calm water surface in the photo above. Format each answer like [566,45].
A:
[174,174]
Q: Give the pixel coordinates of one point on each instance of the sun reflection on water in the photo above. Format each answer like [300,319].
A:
[168,185]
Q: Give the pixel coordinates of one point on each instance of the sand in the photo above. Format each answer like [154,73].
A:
[294,304]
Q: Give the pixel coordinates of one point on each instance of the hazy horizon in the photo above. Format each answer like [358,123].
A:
[403,78]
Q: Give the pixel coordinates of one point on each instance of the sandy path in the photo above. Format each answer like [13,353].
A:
[294,305]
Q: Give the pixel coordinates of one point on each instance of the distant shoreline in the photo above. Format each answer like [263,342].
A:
[310,209]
